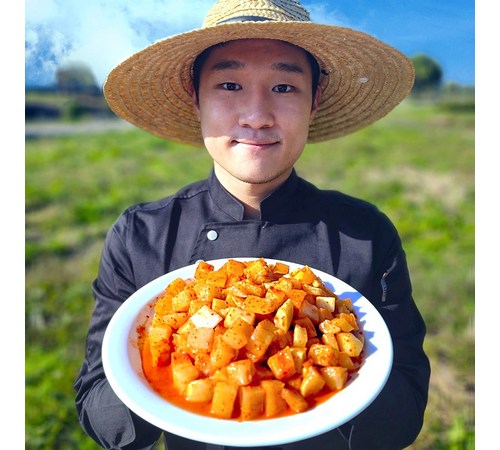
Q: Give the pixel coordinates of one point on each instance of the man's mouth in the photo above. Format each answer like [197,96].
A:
[256,143]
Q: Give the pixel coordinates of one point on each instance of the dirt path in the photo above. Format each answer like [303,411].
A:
[46,129]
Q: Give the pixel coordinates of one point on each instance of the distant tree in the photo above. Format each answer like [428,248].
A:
[428,74]
[76,78]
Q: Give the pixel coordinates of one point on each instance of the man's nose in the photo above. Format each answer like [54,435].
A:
[256,110]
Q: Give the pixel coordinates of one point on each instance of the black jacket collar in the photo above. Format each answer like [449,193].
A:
[277,205]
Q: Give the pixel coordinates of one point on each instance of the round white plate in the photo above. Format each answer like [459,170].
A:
[122,365]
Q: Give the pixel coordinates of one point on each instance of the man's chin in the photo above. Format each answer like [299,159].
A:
[262,177]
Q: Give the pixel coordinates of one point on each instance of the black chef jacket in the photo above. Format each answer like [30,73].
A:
[327,230]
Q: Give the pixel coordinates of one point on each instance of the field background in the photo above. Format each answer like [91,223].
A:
[417,165]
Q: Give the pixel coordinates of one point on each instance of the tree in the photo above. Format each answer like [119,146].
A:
[76,78]
[428,74]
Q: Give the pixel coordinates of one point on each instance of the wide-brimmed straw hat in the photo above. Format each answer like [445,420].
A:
[363,78]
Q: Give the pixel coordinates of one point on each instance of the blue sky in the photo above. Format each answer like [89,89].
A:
[102,33]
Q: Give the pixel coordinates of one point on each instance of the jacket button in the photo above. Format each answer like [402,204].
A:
[212,235]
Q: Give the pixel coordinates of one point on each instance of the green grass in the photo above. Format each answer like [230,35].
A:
[417,165]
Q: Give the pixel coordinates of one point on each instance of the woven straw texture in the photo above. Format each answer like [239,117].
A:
[365,78]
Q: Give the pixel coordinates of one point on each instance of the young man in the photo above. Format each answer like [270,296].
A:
[254,85]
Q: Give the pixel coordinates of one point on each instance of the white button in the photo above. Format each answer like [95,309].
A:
[212,235]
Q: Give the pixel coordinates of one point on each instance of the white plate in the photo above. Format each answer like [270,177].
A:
[122,365]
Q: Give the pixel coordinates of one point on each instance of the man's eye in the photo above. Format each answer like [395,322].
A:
[282,88]
[230,86]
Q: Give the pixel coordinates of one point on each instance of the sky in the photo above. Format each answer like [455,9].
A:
[102,33]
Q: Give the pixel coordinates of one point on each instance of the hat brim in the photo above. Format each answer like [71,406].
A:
[366,78]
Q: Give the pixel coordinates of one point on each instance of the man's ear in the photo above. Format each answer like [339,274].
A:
[315,104]
[195,103]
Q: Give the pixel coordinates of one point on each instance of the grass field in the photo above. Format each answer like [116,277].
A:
[417,165]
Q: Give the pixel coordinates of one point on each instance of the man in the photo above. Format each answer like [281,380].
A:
[254,85]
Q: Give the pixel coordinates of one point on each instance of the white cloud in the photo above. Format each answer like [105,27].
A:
[100,33]
[40,10]
[323,12]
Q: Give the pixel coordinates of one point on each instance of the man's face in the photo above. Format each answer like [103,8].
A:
[255,106]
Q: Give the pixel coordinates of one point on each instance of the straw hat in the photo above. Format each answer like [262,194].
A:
[364,77]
